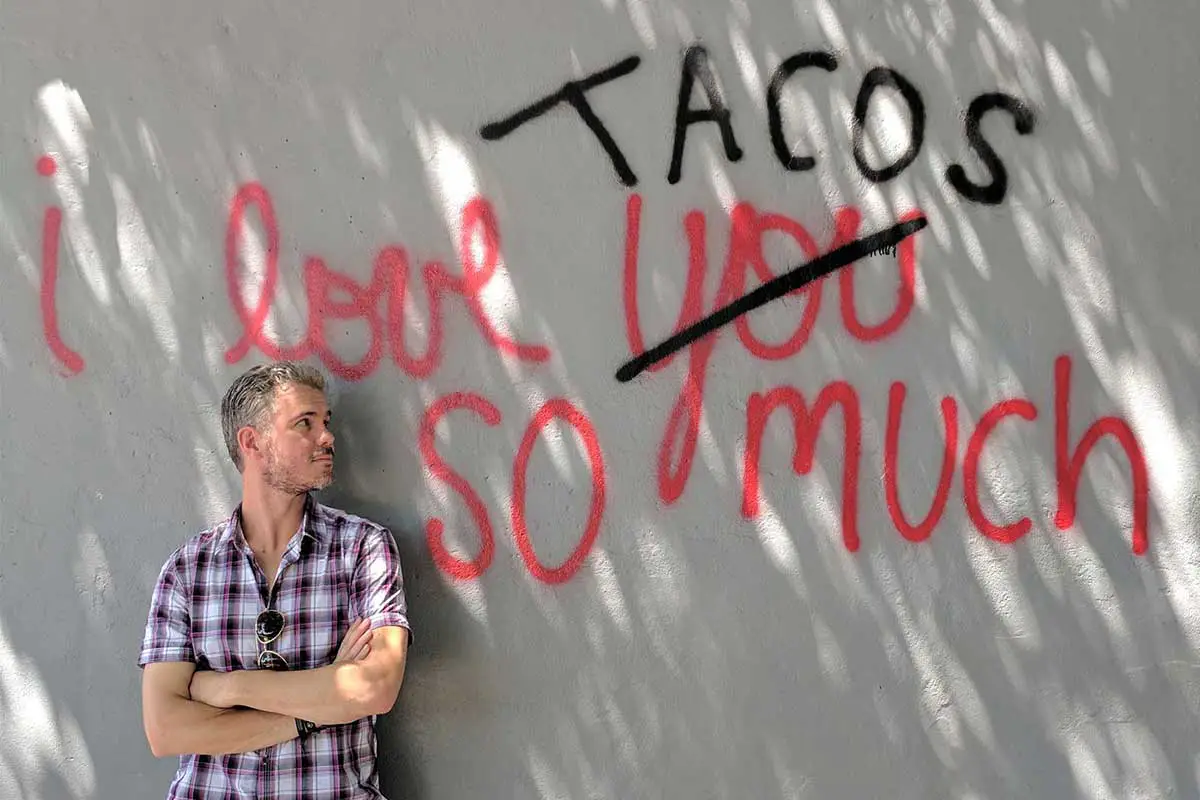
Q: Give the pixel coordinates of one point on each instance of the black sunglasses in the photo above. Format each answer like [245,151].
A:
[267,628]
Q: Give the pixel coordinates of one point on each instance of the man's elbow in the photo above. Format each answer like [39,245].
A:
[383,693]
[160,741]
[162,751]
[166,732]
[378,699]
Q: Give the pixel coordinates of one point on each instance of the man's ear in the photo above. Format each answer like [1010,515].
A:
[249,442]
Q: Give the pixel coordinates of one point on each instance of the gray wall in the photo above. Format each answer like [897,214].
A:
[695,652]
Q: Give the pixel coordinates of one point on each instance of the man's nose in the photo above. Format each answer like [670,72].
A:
[326,439]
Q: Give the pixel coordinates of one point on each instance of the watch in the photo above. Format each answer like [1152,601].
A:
[304,727]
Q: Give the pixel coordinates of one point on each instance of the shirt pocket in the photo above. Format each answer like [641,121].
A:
[223,645]
[321,645]
[321,621]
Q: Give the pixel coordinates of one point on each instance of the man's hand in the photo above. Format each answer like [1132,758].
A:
[329,695]
[207,686]
[357,644]
[212,688]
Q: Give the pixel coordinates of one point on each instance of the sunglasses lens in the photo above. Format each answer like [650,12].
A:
[269,659]
[268,626]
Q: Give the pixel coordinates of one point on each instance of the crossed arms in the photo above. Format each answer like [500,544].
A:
[211,713]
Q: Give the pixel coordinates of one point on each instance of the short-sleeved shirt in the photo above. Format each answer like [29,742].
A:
[336,568]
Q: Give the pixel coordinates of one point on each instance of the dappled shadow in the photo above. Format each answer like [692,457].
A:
[696,652]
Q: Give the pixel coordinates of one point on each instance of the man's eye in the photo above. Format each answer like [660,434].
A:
[305,423]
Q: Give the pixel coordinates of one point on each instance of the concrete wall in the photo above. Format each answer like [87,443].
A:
[634,594]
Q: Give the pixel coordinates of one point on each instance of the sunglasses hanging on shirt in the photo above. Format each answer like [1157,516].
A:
[268,627]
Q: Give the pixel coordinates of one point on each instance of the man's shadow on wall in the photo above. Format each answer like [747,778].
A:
[437,619]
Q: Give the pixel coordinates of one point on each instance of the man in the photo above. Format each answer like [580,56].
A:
[243,677]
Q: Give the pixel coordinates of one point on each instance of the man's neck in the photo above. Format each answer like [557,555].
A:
[269,517]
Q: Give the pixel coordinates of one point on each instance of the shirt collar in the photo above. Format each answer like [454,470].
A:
[310,528]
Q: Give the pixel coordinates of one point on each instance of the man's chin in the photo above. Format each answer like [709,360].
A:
[302,487]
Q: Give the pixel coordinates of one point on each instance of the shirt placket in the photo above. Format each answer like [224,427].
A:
[267,595]
[267,777]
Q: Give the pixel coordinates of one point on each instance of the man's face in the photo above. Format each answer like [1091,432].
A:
[297,445]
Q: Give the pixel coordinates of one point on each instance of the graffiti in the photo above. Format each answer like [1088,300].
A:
[792,280]
[51,234]
[331,295]
[389,286]
[696,68]
[1023,119]
[891,482]
[877,78]
[574,93]
[807,423]
[381,304]
[779,79]
[441,471]
[699,332]
[555,409]
[748,228]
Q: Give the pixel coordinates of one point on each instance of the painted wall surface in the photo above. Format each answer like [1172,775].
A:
[769,399]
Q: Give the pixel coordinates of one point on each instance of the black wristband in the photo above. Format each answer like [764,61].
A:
[304,727]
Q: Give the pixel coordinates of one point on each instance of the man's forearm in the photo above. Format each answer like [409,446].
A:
[330,695]
[188,726]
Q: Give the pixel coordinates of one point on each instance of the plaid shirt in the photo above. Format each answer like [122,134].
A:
[338,567]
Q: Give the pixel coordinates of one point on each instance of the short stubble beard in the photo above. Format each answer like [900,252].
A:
[283,480]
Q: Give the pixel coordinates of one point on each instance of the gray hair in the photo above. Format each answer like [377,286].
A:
[250,398]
